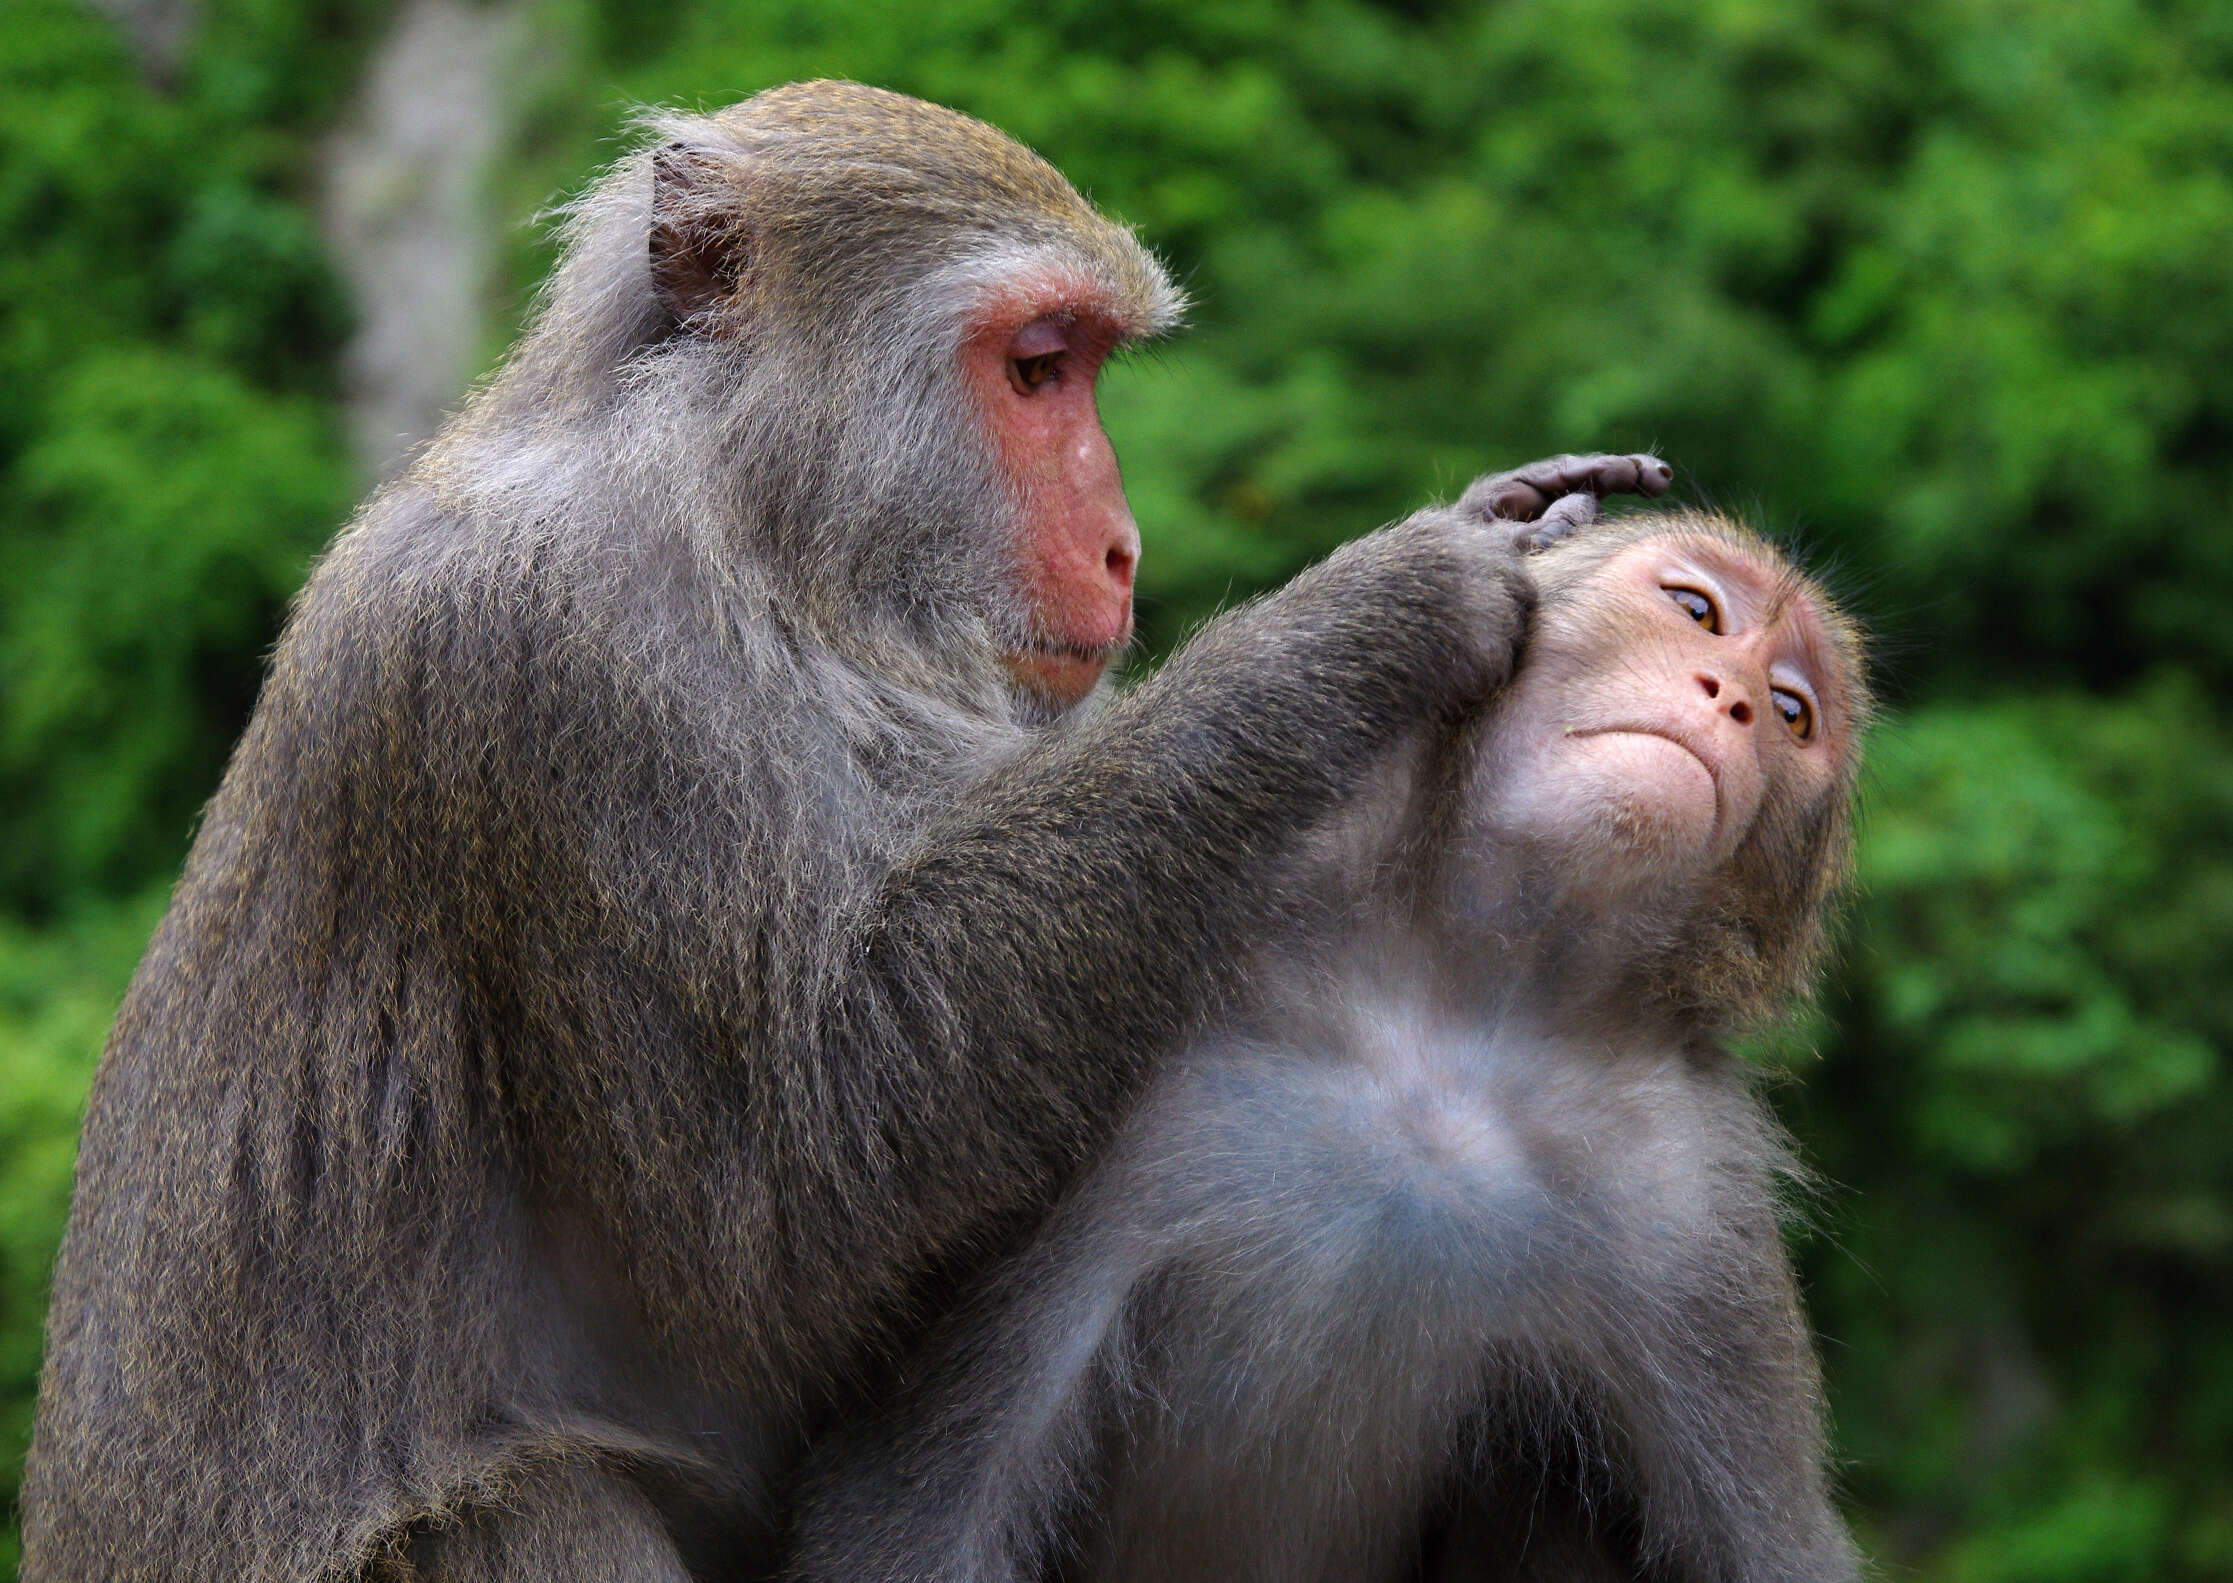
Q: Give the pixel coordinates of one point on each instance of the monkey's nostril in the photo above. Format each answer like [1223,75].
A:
[1119,563]
[1741,712]
[1712,686]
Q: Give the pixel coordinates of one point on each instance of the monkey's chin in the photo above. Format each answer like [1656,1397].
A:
[1636,808]
[1061,680]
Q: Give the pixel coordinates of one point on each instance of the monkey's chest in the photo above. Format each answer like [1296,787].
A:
[1444,1181]
[1354,1243]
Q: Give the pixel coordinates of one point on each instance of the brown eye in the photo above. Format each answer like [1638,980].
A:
[1027,374]
[1698,607]
[1797,713]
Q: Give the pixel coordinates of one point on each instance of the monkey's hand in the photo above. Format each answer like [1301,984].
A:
[1545,501]
[1415,622]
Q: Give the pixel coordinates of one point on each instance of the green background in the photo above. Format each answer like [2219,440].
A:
[1942,292]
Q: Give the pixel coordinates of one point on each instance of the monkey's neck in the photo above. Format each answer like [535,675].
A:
[1531,951]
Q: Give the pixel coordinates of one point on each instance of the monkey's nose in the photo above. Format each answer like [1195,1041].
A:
[1736,706]
[1120,550]
[1118,564]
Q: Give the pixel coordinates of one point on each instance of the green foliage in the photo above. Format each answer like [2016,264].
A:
[168,462]
[156,471]
[1944,286]
[2026,1105]
[164,308]
[2053,1003]
[58,990]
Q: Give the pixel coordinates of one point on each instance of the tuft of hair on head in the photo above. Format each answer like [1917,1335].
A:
[822,217]
[833,197]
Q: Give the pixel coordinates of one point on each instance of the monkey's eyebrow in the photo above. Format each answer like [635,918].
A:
[1719,583]
[1735,575]
[1799,676]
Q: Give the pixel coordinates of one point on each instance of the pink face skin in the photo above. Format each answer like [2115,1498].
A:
[1654,712]
[1033,366]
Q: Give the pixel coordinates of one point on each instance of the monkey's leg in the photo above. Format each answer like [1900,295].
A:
[972,1476]
[565,1522]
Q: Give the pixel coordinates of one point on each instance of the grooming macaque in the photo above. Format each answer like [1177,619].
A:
[1454,1254]
[666,923]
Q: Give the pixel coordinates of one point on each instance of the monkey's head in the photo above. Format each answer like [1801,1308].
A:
[1677,756]
[929,304]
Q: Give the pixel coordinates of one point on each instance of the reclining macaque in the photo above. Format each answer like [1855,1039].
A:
[1454,1254]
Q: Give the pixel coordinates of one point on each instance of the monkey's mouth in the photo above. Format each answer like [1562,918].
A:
[1059,649]
[1059,670]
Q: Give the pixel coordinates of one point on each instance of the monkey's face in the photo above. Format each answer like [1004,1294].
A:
[1681,699]
[1032,360]
[853,232]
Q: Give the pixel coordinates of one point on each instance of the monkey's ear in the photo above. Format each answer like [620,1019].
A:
[697,245]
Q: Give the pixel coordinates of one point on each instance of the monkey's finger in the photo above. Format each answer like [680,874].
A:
[1523,494]
[1598,475]
[1559,519]
[1506,500]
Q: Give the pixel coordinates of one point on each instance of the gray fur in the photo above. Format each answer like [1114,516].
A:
[642,954]
[1454,1255]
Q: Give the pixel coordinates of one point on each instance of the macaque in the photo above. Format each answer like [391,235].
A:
[1453,1252]
[685,896]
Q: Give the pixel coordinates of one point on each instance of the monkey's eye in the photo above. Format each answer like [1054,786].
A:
[1699,607]
[1797,713]
[1028,374]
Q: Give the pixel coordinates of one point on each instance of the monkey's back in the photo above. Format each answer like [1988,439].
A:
[302,1300]
[277,1311]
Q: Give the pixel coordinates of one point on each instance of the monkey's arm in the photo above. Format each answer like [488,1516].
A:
[970,1473]
[805,1072]
[1083,902]
[996,996]
[800,1054]
[1725,1419]
[1704,1407]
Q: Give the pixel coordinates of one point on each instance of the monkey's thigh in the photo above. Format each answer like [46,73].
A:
[568,1522]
